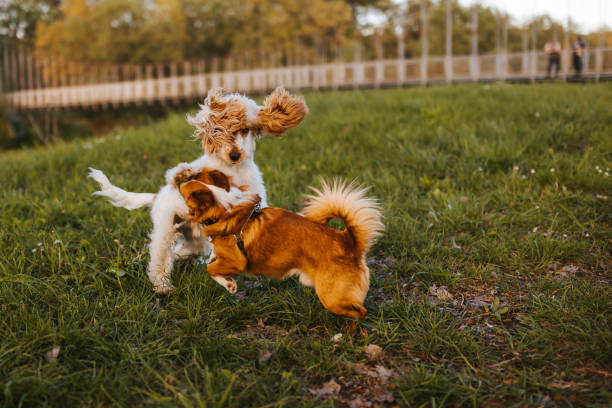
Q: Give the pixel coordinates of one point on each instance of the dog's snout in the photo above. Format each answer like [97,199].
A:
[234,156]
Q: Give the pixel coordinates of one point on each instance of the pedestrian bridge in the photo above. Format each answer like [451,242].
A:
[187,81]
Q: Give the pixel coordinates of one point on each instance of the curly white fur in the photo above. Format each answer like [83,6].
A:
[174,234]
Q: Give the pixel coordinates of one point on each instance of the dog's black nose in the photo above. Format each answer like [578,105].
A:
[234,156]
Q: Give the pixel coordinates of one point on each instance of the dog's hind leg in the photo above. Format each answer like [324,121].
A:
[162,240]
[344,295]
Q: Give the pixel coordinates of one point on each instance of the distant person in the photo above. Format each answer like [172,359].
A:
[578,49]
[553,50]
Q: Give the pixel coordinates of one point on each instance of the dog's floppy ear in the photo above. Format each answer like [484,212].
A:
[219,179]
[281,111]
[214,99]
[197,195]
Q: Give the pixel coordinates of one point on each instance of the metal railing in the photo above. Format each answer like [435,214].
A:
[168,85]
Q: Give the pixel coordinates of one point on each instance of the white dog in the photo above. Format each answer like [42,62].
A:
[229,124]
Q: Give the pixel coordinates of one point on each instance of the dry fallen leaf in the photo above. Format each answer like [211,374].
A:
[359,403]
[570,269]
[383,372]
[382,395]
[264,355]
[330,387]
[373,351]
[51,355]
[441,293]
[359,368]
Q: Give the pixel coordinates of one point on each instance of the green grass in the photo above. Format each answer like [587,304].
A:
[525,255]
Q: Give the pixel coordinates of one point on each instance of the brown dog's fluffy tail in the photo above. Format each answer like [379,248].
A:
[360,214]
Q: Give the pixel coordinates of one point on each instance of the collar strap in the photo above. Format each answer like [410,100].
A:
[256,210]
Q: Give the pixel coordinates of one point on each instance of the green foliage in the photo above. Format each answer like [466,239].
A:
[18,18]
[524,256]
[262,32]
[116,31]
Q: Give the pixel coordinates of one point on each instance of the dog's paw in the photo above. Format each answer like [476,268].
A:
[227,283]
[164,289]
[161,285]
[231,285]
[180,174]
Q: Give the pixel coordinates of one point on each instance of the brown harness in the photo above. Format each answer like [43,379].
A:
[255,211]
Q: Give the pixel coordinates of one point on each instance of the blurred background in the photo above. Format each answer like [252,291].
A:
[73,68]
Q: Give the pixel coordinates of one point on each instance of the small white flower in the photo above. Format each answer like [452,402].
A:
[480,169]
[535,229]
[515,168]
[537,114]
[39,244]
[599,171]
[57,241]
[596,167]
[586,234]
[606,174]
[564,235]
[337,337]
[532,171]
[552,169]
[537,207]
[117,137]
[523,177]
[33,250]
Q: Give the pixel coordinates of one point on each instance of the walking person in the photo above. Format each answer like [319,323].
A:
[578,50]
[553,50]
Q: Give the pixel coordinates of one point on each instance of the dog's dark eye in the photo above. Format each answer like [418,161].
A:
[208,221]
[244,131]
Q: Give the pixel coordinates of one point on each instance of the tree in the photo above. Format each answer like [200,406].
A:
[115,31]
[18,18]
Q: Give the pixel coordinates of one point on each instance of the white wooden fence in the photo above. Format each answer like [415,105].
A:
[525,66]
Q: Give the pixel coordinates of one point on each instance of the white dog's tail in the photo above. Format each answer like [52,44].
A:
[119,197]
[360,214]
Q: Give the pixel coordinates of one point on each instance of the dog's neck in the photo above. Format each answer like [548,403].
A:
[233,220]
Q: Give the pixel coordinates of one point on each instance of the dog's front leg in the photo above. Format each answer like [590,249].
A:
[223,275]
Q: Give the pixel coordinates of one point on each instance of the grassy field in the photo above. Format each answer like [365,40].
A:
[490,286]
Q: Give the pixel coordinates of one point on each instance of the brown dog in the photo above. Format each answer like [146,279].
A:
[277,243]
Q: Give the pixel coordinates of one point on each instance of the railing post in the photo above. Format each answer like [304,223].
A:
[565,64]
[401,52]
[474,57]
[378,71]
[424,42]
[598,63]
[525,56]
[505,55]
[448,62]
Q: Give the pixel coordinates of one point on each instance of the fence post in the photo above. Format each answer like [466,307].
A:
[401,51]
[448,62]
[565,64]
[378,71]
[534,56]
[525,56]
[424,42]
[474,58]
[357,67]
[505,55]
